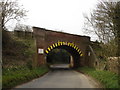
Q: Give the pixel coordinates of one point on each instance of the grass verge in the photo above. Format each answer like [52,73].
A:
[106,78]
[16,76]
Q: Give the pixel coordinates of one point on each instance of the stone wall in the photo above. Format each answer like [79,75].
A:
[113,64]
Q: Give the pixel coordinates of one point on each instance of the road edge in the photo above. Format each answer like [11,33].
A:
[95,82]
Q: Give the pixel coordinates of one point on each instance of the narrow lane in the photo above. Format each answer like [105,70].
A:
[61,78]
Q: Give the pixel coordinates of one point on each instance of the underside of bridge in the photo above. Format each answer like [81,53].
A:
[75,45]
[75,55]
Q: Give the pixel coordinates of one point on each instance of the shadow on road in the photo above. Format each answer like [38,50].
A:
[60,67]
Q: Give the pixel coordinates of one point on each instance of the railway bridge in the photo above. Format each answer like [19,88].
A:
[76,45]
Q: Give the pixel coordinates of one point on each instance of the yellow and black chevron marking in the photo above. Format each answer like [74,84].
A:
[64,43]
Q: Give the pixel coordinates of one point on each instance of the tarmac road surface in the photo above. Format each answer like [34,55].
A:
[61,78]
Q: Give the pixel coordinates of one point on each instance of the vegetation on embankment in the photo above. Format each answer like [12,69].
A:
[106,78]
[17,51]
[15,76]
[19,60]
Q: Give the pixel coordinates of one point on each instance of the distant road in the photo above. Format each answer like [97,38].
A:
[61,78]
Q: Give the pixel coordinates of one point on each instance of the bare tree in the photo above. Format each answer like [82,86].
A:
[10,10]
[116,20]
[101,21]
[104,21]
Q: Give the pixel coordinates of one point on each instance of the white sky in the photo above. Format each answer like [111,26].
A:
[58,15]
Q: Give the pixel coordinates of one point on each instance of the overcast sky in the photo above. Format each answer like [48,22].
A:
[58,15]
